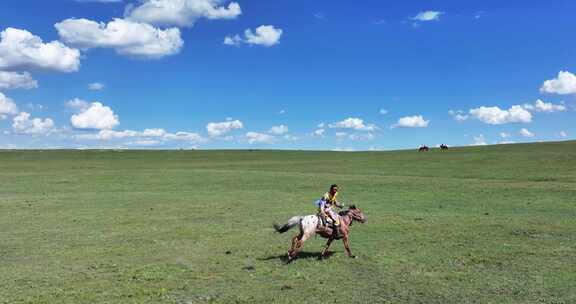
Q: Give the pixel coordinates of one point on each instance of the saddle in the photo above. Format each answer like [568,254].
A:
[324,222]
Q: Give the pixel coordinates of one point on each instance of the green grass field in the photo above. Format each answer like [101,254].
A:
[493,224]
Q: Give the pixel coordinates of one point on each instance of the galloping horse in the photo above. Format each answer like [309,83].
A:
[443,147]
[309,225]
[423,149]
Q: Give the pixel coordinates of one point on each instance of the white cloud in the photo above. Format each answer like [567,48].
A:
[281,112]
[216,129]
[265,35]
[524,132]
[383,111]
[416,121]
[479,141]
[185,136]
[181,12]
[506,142]
[458,116]
[15,80]
[23,124]
[278,130]
[565,83]
[77,104]
[505,135]
[235,40]
[352,123]
[563,134]
[21,50]
[144,142]
[254,137]
[497,116]
[341,135]
[154,134]
[428,16]
[96,86]
[367,136]
[343,149]
[319,132]
[97,116]
[7,106]
[548,107]
[126,37]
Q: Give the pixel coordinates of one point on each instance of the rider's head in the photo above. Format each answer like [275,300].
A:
[333,189]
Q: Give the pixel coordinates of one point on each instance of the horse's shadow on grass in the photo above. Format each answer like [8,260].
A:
[302,255]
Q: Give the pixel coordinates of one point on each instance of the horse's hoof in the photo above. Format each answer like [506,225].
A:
[352,256]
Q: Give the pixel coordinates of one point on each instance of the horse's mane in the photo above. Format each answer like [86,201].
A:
[343,212]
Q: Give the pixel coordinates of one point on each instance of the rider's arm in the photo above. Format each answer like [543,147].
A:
[339,204]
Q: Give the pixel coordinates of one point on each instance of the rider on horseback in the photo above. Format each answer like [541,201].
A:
[326,211]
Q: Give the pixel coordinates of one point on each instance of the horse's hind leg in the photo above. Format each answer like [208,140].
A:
[297,244]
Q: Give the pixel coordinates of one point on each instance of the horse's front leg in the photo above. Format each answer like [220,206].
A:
[323,254]
[347,246]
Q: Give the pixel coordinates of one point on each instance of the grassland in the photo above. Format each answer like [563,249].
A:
[492,224]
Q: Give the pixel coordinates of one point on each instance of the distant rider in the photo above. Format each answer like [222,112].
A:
[326,211]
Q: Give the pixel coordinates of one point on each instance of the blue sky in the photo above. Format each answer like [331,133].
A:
[323,75]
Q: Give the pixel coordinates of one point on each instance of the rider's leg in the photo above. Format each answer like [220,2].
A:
[335,222]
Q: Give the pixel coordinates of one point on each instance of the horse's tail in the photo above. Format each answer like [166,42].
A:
[293,221]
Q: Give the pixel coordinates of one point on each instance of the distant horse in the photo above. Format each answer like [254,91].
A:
[311,224]
[443,147]
[423,149]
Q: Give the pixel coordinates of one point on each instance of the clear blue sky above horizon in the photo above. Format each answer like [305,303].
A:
[340,75]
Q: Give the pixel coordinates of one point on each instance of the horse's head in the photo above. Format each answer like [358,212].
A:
[356,214]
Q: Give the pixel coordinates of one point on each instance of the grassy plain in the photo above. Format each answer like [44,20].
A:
[493,224]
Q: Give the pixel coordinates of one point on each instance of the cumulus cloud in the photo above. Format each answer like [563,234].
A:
[563,134]
[416,121]
[216,129]
[15,80]
[23,124]
[505,135]
[96,116]
[524,132]
[458,116]
[96,86]
[126,37]
[77,104]
[497,116]
[479,141]
[383,111]
[153,134]
[548,107]
[181,12]
[427,16]
[278,130]
[158,136]
[7,106]
[565,83]
[264,35]
[352,123]
[21,50]
[254,137]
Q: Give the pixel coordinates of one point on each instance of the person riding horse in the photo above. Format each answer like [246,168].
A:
[325,209]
